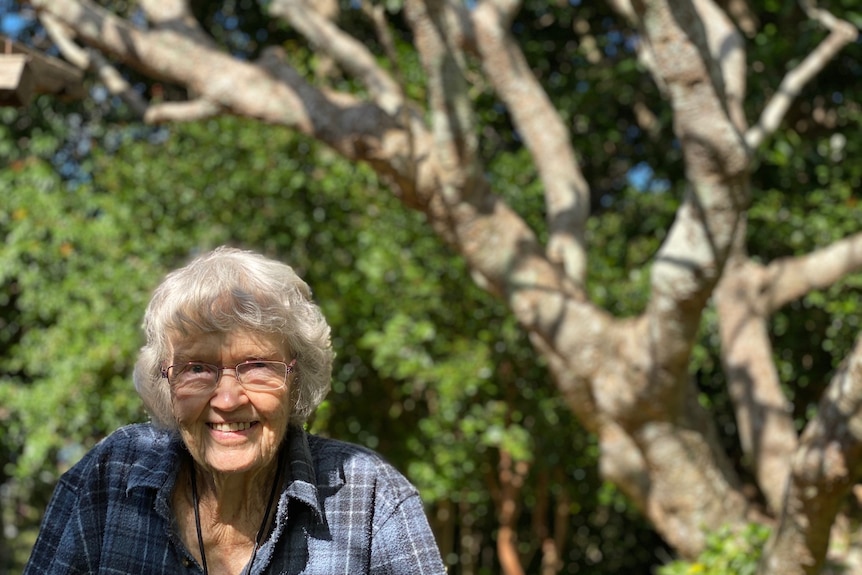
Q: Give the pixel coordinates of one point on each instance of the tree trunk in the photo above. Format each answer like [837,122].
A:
[510,481]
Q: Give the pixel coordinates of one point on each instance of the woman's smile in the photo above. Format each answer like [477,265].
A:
[236,426]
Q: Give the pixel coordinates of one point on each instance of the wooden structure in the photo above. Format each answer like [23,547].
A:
[25,72]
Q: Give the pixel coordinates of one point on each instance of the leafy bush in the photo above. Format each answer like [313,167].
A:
[728,552]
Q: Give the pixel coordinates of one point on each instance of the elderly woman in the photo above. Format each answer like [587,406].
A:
[225,480]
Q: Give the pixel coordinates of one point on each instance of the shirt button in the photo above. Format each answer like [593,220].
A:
[186,562]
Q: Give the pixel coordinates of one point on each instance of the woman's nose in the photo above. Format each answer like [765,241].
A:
[229,392]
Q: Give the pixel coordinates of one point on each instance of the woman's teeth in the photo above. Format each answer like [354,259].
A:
[236,426]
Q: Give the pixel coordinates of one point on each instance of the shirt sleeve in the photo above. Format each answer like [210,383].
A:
[62,546]
[404,543]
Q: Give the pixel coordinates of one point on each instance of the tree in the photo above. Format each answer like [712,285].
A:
[628,379]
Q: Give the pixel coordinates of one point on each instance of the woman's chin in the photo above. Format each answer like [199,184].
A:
[222,460]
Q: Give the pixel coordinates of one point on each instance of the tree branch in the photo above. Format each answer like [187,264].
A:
[763,413]
[743,15]
[841,34]
[150,52]
[270,92]
[433,172]
[825,469]
[788,279]
[727,59]
[189,111]
[626,10]
[352,55]
[456,141]
[689,262]
[567,194]
[511,480]
[175,14]
[93,61]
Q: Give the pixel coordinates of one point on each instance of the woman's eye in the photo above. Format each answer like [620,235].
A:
[252,368]
[198,369]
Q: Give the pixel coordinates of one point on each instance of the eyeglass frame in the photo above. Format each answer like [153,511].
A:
[220,369]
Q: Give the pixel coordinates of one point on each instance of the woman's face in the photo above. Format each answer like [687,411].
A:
[231,429]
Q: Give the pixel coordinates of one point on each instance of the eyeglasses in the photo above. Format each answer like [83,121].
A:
[197,378]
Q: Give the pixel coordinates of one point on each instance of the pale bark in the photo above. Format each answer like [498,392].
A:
[841,34]
[788,279]
[627,380]
[348,52]
[824,470]
[763,412]
[748,294]
[687,472]
[567,195]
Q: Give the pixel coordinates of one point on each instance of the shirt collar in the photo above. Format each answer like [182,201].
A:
[157,464]
[300,466]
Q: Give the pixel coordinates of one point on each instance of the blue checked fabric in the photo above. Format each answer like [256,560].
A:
[342,510]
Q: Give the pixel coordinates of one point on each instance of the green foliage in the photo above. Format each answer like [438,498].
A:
[66,332]
[623,241]
[727,552]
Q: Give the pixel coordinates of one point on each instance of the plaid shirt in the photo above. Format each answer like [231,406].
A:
[343,510]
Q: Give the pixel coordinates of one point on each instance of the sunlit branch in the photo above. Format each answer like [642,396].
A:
[182,111]
[449,102]
[841,34]
[351,55]
[170,13]
[543,131]
[94,61]
[792,278]
[763,412]
[506,10]
[625,9]
[825,468]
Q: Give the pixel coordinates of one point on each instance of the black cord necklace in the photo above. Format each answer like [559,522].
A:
[260,530]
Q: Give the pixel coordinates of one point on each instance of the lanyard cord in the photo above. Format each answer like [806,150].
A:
[260,530]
